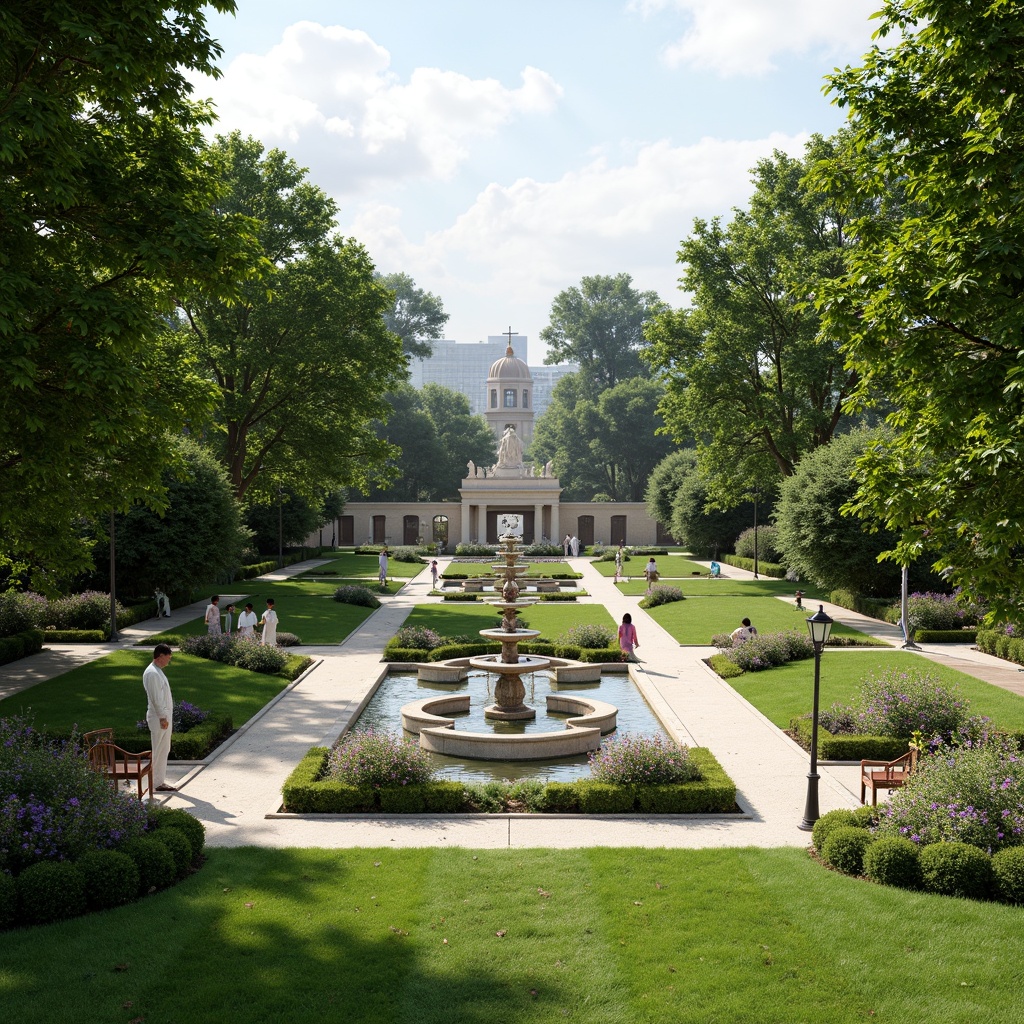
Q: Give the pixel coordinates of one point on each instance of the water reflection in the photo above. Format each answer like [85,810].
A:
[635,716]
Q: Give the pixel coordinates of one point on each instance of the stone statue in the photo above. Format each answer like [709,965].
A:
[470,468]
[510,450]
[547,468]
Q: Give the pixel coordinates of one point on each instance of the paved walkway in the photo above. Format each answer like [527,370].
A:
[237,793]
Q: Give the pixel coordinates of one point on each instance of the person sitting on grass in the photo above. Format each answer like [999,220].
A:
[743,632]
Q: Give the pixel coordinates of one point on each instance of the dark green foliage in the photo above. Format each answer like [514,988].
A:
[181,849]
[285,518]
[50,890]
[20,645]
[8,899]
[946,636]
[893,860]
[416,316]
[154,861]
[605,798]
[356,595]
[828,823]
[1008,874]
[848,748]
[767,543]
[402,799]
[661,593]
[111,878]
[998,643]
[865,816]
[773,569]
[442,796]
[956,869]
[176,817]
[845,847]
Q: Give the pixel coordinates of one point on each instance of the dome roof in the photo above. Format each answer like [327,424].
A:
[510,368]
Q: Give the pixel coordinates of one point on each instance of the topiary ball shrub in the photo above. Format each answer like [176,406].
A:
[181,849]
[175,817]
[587,635]
[956,869]
[8,900]
[111,879]
[154,861]
[1008,874]
[287,639]
[250,654]
[50,891]
[828,823]
[895,861]
[845,848]
[356,595]
[866,816]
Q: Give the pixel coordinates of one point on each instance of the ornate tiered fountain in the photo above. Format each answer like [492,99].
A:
[437,733]
[510,665]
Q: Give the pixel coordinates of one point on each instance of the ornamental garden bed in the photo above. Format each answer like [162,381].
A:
[306,791]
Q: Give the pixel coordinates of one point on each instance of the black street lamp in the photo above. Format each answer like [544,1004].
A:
[819,625]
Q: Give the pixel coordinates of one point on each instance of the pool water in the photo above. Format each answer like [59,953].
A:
[382,714]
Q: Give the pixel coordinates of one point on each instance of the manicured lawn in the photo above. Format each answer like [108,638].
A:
[696,620]
[457,936]
[724,587]
[532,568]
[109,692]
[785,692]
[306,608]
[366,565]
[669,566]
[552,618]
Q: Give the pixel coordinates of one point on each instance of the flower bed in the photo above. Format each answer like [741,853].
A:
[69,843]
[308,791]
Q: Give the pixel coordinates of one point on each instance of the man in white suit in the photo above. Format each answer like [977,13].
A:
[159,713]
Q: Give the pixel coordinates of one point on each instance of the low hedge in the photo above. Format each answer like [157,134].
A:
[185,746]
[20,645]
[848,747]
[999,644]
[871,606]
[946,636]
[461,597]
[772,569]
[250,572]
[724,667]
[561,597]
[305,792]
[79,636]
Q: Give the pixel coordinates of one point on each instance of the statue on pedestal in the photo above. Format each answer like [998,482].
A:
[510,450]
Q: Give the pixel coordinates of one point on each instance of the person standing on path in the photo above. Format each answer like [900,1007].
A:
[247,622]
[627,638]
[574,546]
[651,573]
[159,713]
[433,572]
[382,562]
[618,563]
[228,616]
[269,624]
[213,616]
[567,544]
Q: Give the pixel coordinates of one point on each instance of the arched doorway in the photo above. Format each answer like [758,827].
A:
[585,530]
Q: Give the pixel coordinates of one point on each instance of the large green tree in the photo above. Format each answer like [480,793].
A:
[599,325]
[932,306]
[416,316]
[463,437]
[302,359]
[107,210]
[747,370]
[197,539]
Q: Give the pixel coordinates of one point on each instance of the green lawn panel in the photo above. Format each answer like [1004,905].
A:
[551,618]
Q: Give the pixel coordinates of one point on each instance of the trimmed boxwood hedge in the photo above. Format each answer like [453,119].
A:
[764,568]
[193,745]
[304,792]
[20,645]
[946,636]
[848,747]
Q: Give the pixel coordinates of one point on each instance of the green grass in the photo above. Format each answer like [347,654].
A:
[669,567]
[366,565]
[109,692]
[787,691]
[551,618]
[732,588]
[305,608]
[696,620]
[532,568]
[598,936]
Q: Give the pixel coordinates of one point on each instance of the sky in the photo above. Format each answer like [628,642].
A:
[498,153]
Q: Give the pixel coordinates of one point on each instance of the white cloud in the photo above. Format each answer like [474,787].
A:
[518,245]
[745,37]
[327,95]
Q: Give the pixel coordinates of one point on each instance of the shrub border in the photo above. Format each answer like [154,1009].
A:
[305,792]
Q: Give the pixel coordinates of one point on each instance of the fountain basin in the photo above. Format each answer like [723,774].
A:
[509,637]
[437,733]
[442,672]
[493,663]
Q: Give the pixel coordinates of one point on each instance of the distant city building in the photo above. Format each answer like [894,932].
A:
[465,366]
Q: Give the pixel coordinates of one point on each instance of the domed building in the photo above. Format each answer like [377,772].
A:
[510,397]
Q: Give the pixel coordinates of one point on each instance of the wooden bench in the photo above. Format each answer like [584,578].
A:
[889,775]
[116,764]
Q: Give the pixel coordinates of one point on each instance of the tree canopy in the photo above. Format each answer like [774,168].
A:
[416,316]
[600,327]
[302,360]
[109,210]
[930,310]
[746,368]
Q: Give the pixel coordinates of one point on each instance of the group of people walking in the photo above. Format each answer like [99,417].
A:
[571,546]
[247,623]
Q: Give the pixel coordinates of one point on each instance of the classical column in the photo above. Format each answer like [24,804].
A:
[538,523]
[464,525]
[481,523]
[556,532]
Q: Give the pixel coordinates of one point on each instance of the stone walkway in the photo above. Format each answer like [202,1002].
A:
[237,792]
